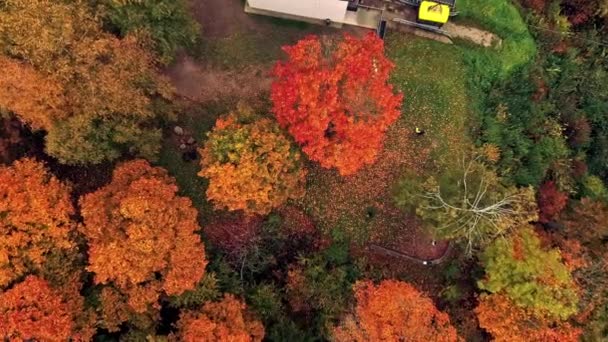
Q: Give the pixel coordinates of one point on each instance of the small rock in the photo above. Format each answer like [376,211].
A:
[182,146]
[178,130]
[191,141]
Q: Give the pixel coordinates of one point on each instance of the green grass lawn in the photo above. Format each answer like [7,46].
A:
[199,120]
[432,77]
[502,18]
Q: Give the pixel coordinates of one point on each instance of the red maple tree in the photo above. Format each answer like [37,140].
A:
[334,99]
[35,221]
[551,202]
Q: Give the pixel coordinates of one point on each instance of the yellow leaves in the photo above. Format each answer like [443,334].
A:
[250,166]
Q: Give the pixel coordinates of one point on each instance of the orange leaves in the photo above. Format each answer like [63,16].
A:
[250,166]
[31,310]
[141,235]
[36,99]
[509,322]
[224,321]
[35,211]
[394,311]
[337,107]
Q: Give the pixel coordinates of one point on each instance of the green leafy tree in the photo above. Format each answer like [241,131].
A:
[470,203]
[167,22]
[530,276]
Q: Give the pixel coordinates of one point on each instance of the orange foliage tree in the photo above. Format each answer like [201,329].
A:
[224,321]
[141,236]
[35,222]
[32,310]
[335,100]
[23,90]
[250,166]
[394,311]
[508,322]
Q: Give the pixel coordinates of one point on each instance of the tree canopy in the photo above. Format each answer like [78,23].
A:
[334,99]
[530,276]
[89,87]
[142,236]
[251,166]
[392,311]
[35,219]
[224,321]
[468,202]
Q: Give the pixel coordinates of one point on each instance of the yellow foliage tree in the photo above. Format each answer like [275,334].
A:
[250,166]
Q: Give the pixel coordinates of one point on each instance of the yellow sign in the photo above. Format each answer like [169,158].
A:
[434,12]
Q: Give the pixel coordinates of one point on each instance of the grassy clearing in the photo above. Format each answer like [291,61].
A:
[198,120]
[432,77]
[247,48]
[502,18]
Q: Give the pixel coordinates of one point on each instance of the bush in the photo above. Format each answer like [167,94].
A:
[167,22]
[594,188]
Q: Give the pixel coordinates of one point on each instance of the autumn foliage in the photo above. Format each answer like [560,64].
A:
[529,275]
[35,222]
[234,234]
[334,99]
[551,202]
[588,221]
[141,236]
[250,166]
[224,321]
[394,311]
[91,91]
[32,310]
[507,322]
[37,99]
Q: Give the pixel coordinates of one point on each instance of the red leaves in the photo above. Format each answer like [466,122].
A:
[335,101]
[394,311]
[551,202]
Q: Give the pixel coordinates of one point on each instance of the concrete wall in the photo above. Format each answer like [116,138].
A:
[313,9]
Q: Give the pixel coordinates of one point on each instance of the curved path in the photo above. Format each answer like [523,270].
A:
[432,261]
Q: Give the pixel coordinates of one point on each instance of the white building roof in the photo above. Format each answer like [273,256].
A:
[316,9]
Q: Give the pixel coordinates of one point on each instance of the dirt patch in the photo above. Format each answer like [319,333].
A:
[472,34]
[200,83]
[221,18]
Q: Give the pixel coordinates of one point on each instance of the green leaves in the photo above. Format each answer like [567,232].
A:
[530,276]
